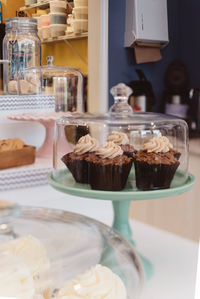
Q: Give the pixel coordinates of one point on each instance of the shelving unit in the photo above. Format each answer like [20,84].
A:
[65,37]
[45,4]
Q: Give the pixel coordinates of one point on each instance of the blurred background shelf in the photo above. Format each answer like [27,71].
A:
[42,4]
[66,37]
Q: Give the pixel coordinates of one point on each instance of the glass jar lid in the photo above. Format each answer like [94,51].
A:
[21,23]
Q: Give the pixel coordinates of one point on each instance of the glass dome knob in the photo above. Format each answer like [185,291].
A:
[121,93]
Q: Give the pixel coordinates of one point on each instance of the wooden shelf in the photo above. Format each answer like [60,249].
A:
[65,37]
[44,4]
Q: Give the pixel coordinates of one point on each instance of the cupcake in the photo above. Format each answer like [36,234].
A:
[76,160]
[108,168]
[122,140]
[155,164]
[31,253]
[97,282]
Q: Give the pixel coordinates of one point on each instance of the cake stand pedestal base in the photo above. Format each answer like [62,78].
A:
[121,224]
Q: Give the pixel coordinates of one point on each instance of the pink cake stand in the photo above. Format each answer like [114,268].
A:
[48,121]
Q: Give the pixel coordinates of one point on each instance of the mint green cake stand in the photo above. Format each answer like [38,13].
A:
[63,181]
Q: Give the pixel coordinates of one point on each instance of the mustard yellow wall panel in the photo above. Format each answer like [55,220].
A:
[9,8]
[65,56]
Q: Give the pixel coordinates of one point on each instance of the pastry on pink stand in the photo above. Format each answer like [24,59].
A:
[48,121]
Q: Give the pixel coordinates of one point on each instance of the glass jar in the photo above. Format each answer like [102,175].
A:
[122,150]
[21,48]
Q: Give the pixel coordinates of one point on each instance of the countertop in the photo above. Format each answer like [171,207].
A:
[174,258]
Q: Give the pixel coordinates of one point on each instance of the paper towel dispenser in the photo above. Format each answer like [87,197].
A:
[146,22]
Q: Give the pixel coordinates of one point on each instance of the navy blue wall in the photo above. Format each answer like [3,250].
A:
[189,47]
[120,70]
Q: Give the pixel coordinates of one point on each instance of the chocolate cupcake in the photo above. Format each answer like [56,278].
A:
[122,140]
[155,164]
[108,168]
[176,153]
[76,160]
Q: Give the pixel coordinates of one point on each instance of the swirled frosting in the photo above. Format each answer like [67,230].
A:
[16,280]
[109,150]
[118,138]
[99,282]
[33,255]
[86,144]
[159,144]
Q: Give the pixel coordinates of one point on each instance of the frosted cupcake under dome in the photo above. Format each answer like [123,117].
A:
[156,144]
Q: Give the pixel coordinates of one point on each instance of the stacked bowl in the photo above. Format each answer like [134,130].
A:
[80,12]
[57,17]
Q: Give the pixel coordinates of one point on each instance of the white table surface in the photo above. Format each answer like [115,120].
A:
[174,258]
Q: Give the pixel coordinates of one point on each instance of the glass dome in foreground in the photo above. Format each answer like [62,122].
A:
[50,247]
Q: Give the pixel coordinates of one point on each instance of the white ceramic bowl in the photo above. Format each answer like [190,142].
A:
[57,30]
[81,12]
[57,18]
[44,20]
[58,6]
[80,3]
[46,32]
[80,26]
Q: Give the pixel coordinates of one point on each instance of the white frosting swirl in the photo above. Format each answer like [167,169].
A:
[159,144]
[86,144]
[33,254]
[98,282]
[109,150]
[16,280]
[118,138]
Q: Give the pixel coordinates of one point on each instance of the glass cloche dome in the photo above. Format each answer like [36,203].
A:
[49,253]
[121,150]
[65,83]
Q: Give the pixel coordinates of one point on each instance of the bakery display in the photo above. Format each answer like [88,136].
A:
[155,164]
[107,167]
[14,152]
[97,282]
[156,143]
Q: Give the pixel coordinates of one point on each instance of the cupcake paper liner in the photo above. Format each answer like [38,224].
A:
[108,177]
[78,168]
[154,176]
